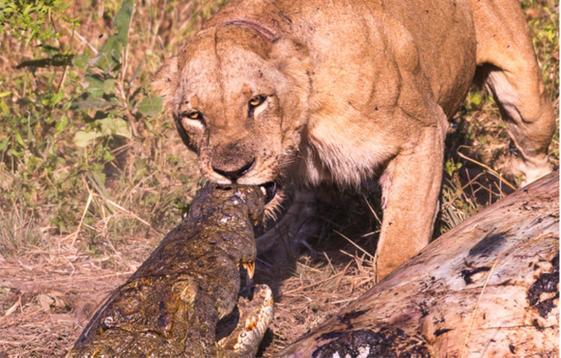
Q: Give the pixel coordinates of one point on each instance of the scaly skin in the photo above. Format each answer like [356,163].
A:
[171,305]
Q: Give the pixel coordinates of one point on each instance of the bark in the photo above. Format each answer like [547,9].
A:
[487,288]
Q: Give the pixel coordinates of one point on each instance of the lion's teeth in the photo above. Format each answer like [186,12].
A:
[263,190]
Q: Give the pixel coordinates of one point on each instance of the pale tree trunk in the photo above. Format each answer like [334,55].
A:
[487,288]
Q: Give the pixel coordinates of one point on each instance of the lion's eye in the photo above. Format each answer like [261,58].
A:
[255,102]
[194,115]
[193,118]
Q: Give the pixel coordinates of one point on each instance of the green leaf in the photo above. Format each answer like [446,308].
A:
[150,106]
[3,144]
[19,139]
[4,107]
[475,98]
[115,126]
[84,138]
[14,153]
[95,86]
[81,61]
[110,53]
[109,86]
[96,103]
[108,156]
[99,177]
[61,124]
[450,167]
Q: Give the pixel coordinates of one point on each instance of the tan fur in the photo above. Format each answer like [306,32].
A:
[355,89]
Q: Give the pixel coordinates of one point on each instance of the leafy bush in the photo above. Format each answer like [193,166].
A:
[74,113]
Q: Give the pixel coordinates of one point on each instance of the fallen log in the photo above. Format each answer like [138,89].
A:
[487,288]
[172,304]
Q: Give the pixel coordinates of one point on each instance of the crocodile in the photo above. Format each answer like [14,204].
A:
[172,304]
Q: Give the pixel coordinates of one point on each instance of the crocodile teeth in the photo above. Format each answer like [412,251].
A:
[249,268]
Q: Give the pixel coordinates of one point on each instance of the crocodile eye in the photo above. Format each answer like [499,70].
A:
[255,102]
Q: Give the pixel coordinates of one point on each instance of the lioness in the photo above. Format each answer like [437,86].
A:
[347,91]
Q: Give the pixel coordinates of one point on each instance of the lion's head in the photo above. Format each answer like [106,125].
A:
[239,95]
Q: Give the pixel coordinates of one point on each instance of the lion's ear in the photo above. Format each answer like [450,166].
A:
[290,55]
[286,48]
[165,83]
[292,58]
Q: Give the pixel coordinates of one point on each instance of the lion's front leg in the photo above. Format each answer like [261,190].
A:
[410,189]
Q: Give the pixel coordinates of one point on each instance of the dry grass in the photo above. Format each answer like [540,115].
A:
[51,279]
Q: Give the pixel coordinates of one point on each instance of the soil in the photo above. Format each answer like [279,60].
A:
[48,295]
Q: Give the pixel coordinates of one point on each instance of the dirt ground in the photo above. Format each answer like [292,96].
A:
[47,296]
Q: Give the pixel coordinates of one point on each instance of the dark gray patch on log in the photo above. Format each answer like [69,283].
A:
[386,342]
[348,317]
[424,309]
[467,274]
[330,335]
[547,282]
[488,244]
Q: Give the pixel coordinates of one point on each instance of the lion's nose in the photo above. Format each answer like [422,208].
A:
[234,174]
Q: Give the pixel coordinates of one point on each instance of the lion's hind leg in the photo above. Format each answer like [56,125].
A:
[507,62]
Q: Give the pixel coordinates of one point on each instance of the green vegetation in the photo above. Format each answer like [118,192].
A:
[85,152]
[81,138]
